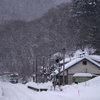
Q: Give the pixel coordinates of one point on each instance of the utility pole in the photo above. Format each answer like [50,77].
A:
[63,72]
[33,72]
[43,68]
[63,51]
[36,70]
[54,81]
[67,76]
[58,66]
[59,76]
[49,63]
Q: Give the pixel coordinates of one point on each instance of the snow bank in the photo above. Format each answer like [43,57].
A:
[95,81]
[0,90]
[83,91]
[40,85]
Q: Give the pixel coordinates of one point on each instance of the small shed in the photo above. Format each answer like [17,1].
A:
[82,77]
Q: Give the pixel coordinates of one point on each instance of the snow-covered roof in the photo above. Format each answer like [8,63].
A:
[95,57]
[82,75]
[77,60]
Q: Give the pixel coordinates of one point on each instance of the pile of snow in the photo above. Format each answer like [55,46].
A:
[0,87]
[95,81]
[0,91]
[83,91]
[40,85]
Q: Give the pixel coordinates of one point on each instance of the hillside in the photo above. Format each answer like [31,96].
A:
[61,27]
[25,9]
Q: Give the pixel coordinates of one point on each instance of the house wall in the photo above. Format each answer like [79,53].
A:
[80,68]
[70,79]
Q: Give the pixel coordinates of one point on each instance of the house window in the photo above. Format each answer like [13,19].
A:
[84,62]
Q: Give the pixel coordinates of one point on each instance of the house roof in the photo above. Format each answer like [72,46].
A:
[95,57]
[82,75]
[76,61]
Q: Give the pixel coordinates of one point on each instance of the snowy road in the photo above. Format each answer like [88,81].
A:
[82,91]
[21,92]
[16,92]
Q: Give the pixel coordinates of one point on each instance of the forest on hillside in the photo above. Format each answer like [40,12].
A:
[72,26]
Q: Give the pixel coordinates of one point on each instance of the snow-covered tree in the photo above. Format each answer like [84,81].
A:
[86,14]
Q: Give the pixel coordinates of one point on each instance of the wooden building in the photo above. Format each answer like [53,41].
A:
[78,65]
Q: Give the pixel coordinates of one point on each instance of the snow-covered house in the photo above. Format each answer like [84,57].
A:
[86,64]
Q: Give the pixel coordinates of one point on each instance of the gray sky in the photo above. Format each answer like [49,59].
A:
[25,9]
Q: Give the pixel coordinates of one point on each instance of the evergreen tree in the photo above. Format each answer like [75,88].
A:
[89,12]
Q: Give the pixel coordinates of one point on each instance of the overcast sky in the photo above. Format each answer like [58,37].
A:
[25,9]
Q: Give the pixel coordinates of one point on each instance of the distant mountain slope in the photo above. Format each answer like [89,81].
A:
[61,27]
[21,42]
[25,9]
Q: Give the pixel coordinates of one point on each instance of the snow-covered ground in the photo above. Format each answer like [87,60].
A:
[83,91]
